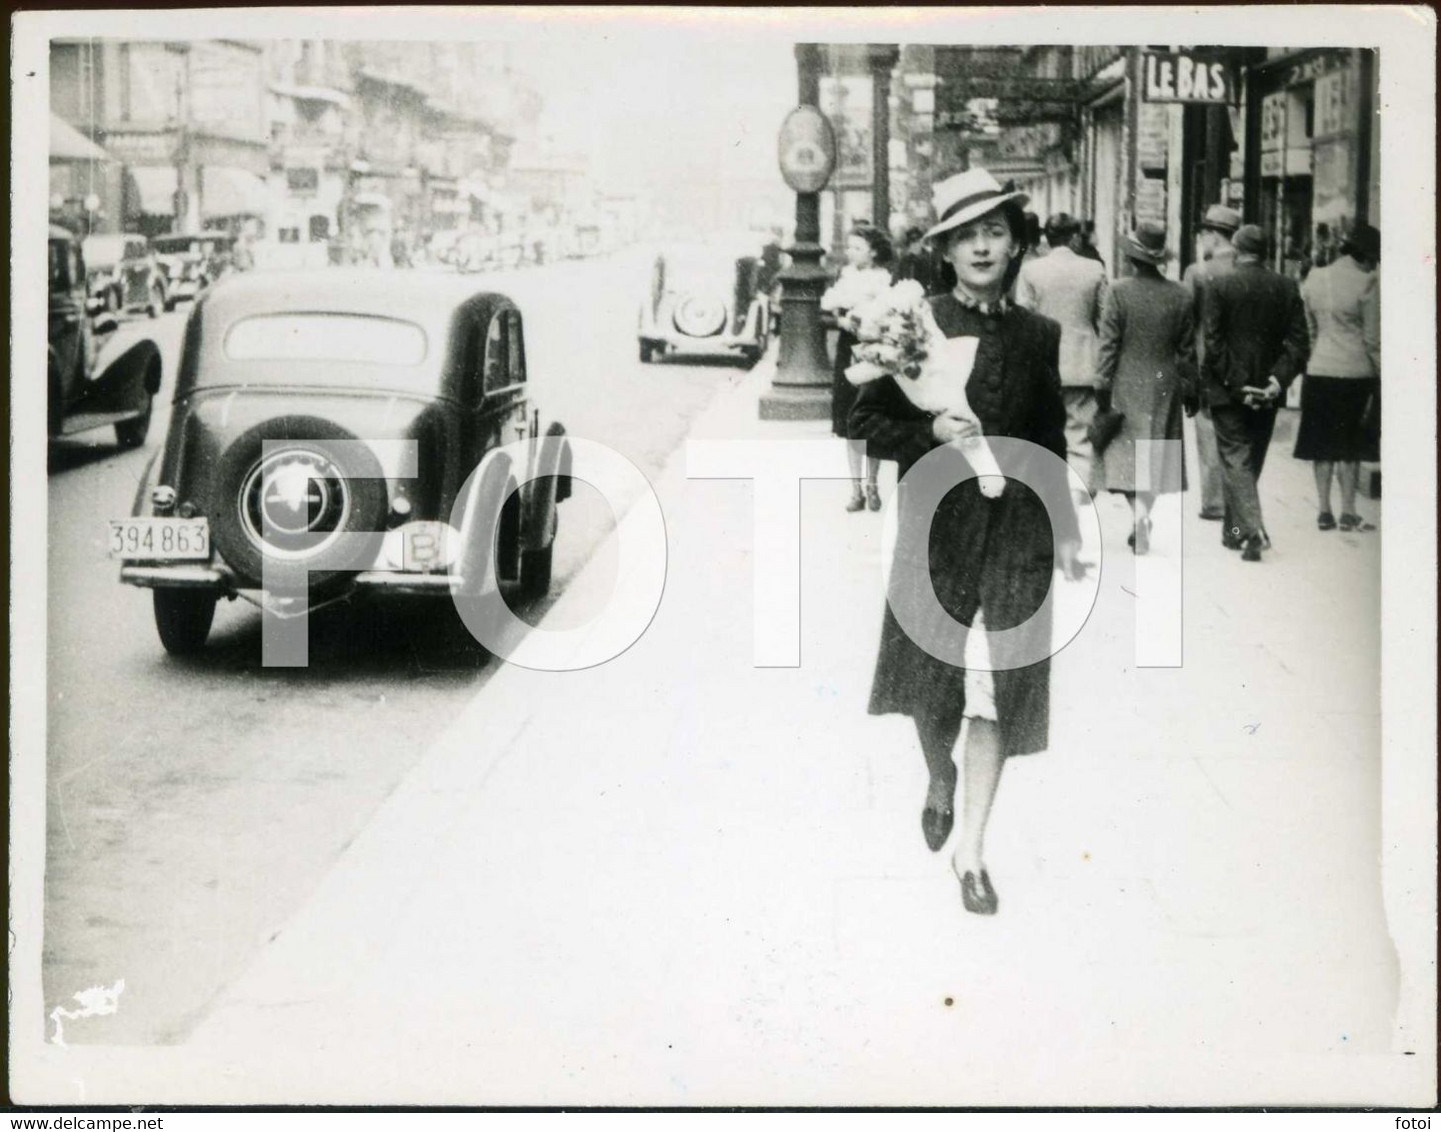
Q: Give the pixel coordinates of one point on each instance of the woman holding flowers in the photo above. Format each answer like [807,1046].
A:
[988,554]
[863,278]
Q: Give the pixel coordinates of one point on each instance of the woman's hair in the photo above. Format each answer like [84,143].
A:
[1015,218]
[881,251]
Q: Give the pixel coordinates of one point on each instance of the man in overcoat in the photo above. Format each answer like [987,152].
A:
[1255,342]
[1070,289]
[1217,255]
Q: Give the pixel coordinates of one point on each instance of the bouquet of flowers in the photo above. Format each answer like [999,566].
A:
[899,337]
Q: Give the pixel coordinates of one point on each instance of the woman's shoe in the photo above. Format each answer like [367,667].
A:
[857,503]
[873,497]
[1355,523]
[1325,521]
[936,825]
[1141,537]
[977,894]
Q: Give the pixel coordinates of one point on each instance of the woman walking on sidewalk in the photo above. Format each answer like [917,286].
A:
[1146,368]
[863,278]
[1340,394]
[989,560]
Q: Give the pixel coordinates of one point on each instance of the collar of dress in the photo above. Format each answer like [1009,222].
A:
[994,308]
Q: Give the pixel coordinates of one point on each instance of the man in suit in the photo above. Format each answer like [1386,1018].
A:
[1256,343]
[1217,255]
[1068,288]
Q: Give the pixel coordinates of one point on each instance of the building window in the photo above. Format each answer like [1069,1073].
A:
[319,229]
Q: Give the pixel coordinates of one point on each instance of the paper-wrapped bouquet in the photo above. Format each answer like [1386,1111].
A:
[899,338]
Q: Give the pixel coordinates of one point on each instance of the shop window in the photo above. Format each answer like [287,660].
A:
[497,356]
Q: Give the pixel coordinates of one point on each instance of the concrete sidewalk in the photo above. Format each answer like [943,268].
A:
[676,879]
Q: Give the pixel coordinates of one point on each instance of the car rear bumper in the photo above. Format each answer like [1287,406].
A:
[221,580]
[717,345]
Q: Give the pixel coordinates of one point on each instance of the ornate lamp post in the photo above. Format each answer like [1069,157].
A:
[800,389]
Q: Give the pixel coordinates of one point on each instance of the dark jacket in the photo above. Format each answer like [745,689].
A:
[992,554]
[1253,328]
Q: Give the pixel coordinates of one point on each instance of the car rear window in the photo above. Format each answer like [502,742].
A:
[326,338]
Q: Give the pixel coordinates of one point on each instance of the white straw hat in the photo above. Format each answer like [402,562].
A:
[960,199]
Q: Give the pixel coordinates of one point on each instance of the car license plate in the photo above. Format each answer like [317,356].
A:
[160,540]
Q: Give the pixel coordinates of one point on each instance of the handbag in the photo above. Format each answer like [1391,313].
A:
[1103,429]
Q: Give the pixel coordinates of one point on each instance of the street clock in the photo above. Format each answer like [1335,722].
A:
[807,150]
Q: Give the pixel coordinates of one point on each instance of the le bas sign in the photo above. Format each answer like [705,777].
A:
[1174,76]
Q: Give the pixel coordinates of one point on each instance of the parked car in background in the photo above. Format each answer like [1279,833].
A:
[293,391]
[190,263]
[97,378]
[124,274]
[704,300]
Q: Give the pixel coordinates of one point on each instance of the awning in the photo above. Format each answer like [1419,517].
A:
[154,187]
[69,144]
[312,94]
[370,200]
[225,191]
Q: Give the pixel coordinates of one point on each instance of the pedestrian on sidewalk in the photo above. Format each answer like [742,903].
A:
[989,560]
[1145,371]
[865,276]
[1070,289]
[920,263]
[1343,313]
[1255,344]
[1216,255]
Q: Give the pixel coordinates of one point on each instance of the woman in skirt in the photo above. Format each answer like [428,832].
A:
[1340,397]
[1145,369]
[865,276]
[987,561]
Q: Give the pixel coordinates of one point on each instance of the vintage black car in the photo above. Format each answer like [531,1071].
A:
[98,377]
[123,274]
[191,263]
[705,300]
[296,396]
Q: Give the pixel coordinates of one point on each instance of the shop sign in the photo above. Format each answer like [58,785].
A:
[1152,135]
[1273,122]
[141,149]
[302,180]
[1317,65]
[1175,76]
[1151,200]
[1334,100]
[807,150]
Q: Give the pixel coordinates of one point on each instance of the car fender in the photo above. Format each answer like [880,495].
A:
[117,363]
[476,517]
[544,492]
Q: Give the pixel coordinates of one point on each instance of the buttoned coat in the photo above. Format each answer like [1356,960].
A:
[992,554]
[1254,327]
[1071,290]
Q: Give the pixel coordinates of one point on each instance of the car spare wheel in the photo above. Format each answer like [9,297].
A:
[285,515]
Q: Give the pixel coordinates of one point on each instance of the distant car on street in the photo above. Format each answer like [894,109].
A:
[293,391]
[124,274]
[191,263]
[704,300]
[97,377]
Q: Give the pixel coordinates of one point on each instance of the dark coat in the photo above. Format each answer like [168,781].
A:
[993,554]
[1254,327]
[1147,359]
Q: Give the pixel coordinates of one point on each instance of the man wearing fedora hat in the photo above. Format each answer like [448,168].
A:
[1214,244]
[1070,289]
[1256,342]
